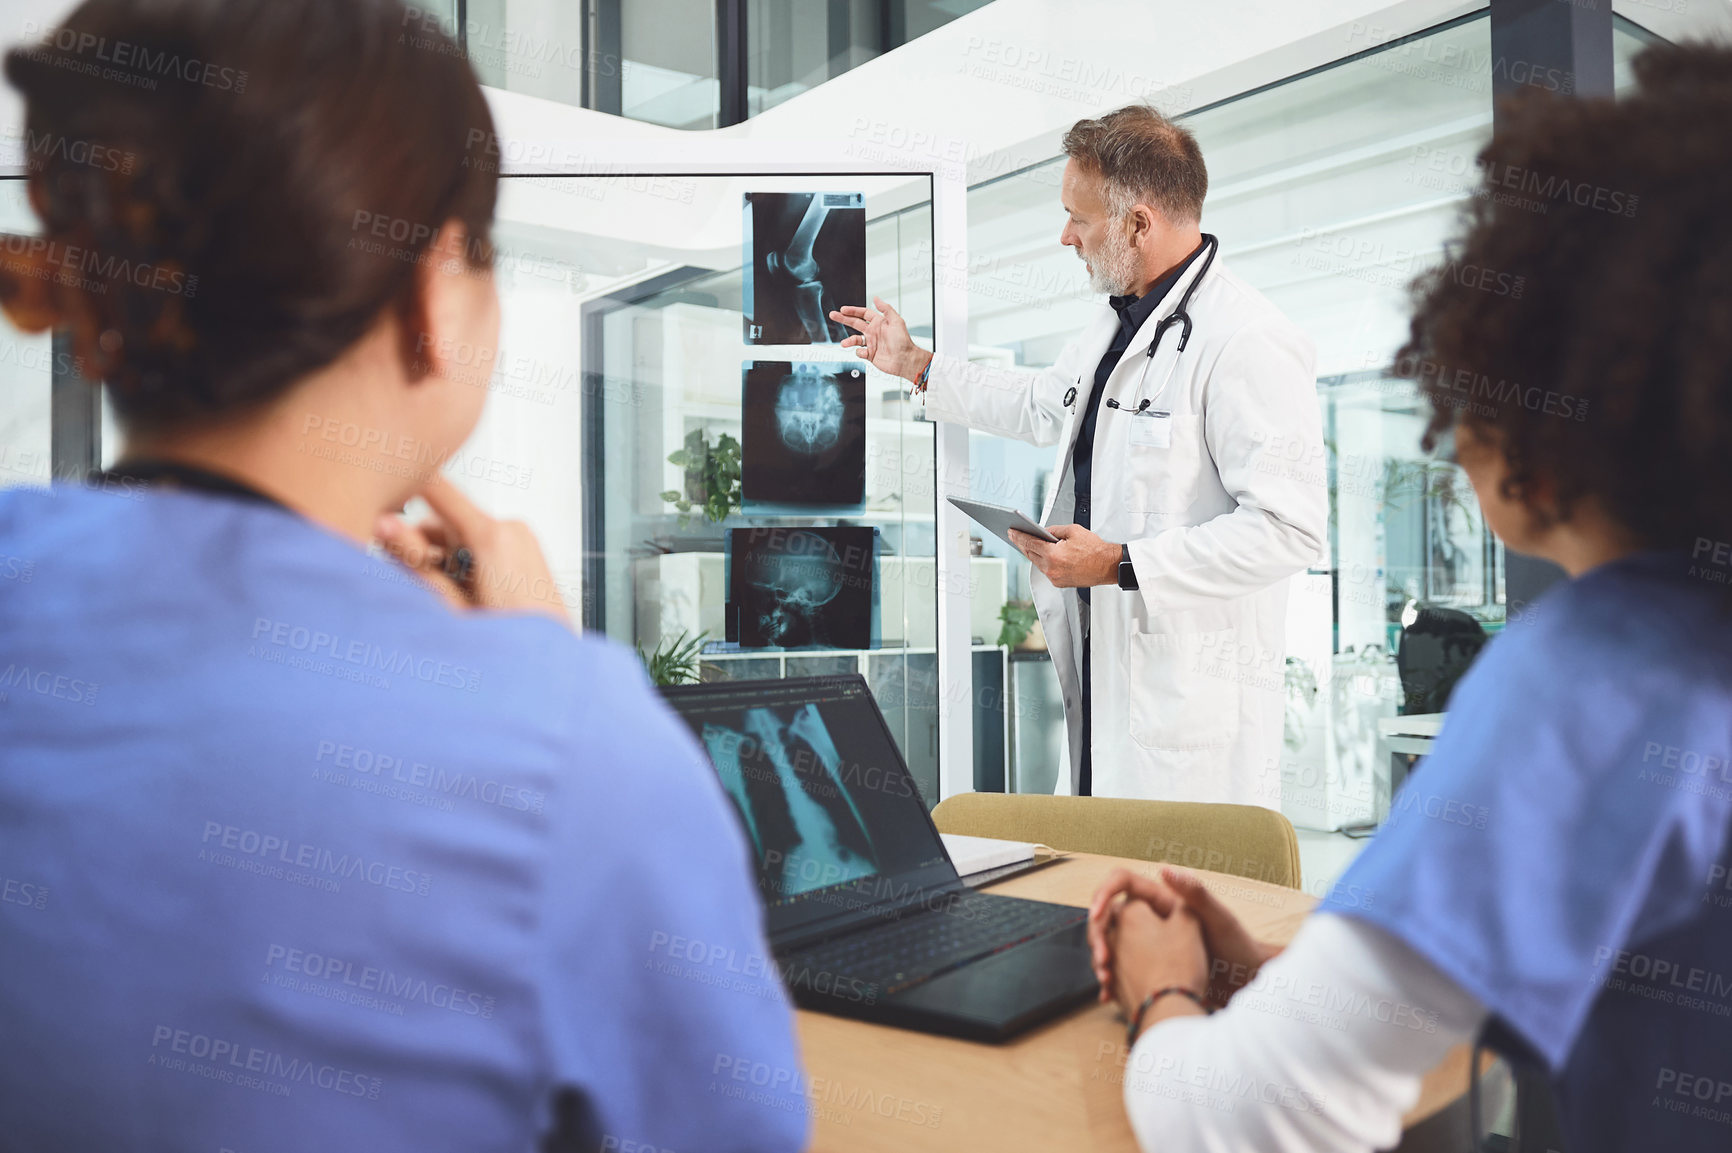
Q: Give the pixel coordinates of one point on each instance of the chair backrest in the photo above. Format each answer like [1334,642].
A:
[1244,840]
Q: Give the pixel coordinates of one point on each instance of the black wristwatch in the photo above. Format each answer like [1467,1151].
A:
[1127,574]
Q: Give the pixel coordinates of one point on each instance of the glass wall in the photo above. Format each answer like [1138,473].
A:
[652,60]
[537,47]
[796,45]
[661,60]
[26,369]
[621,381]
[1329,194]
[674,523]
[668,69]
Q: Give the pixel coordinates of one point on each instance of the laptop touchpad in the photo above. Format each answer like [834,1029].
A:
[1001,988]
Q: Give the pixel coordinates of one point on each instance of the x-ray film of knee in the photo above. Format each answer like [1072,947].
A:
[805,256]
[802,588]
[803,438]
[784,773]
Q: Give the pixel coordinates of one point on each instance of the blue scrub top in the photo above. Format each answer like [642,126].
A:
[1562,854]
[294,857]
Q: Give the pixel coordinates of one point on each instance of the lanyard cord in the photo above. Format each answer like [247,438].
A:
[170,474]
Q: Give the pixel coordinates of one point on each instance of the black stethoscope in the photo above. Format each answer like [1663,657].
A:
[1180,316]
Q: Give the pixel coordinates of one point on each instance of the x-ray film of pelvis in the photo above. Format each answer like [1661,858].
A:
[783,771]
[802,588]
[803,434]
[808,413]
[805,256]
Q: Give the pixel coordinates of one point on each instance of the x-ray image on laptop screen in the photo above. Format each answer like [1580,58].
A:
[824,798]
[787,779]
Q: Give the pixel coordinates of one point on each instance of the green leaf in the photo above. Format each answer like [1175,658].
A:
[712,475]
[675,661]
[1018,618]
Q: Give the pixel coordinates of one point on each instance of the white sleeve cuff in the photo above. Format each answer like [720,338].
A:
[1324,1051]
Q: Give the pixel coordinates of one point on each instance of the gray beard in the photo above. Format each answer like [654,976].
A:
[1114,272]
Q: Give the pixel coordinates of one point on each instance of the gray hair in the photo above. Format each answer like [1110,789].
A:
[1142,157]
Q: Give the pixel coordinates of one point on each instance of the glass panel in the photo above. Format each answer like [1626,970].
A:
[918,17]
[668,68]
[623,341]
[444,11]
[796,45]
[26,369]
[1329,193]
[656,60]
[1627,40]
[530,46]
[1332,193]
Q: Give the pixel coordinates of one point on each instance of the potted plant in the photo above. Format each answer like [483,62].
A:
[1020,627]
[675,661]
[712,477]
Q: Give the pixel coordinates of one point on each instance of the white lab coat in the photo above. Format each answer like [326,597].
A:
[1220,509]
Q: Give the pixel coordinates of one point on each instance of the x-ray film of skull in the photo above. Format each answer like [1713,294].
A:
[805,256]
[803,440]
[797,588]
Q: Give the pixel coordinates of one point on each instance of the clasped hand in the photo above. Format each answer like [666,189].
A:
[1148,933]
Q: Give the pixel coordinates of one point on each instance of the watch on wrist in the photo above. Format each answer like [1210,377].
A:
[1127,574]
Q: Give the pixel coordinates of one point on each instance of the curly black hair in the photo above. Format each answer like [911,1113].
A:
[233,191]
[1583,324]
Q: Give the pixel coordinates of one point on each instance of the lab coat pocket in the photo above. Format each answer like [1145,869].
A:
[1182,696]
[1162,462]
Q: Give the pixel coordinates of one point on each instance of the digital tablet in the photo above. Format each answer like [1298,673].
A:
[999,520]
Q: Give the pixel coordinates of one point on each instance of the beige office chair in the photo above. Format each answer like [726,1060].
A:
[1244,840]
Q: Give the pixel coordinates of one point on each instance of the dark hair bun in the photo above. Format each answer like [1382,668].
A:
[233,191]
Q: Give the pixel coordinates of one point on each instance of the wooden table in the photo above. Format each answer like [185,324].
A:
[1055,1089]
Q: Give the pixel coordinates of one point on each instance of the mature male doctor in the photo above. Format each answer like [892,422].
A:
[1190,454]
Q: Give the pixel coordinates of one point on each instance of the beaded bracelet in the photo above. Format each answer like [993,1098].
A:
[1136,1022]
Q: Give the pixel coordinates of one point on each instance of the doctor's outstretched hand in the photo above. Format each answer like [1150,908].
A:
[1080,559]
[882,339]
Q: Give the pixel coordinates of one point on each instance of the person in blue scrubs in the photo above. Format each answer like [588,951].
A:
[304,846]
[1556,877]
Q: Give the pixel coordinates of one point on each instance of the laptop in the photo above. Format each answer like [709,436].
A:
[865,912]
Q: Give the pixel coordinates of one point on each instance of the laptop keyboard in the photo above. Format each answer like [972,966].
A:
[898,954]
